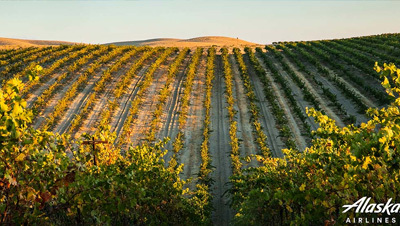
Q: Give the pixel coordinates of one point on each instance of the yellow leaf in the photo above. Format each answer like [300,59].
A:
[38,68]
[20,157]
[31,196]
[3,106]
[366,162]
[353,158]
[17,109]
[302,187]
[385,83]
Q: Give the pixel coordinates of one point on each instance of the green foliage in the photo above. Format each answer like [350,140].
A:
[203,194]
[72,91]
[47,179]
[278,112]
[261,137]
[339,82]
[164,94]
[342,165]
[188,85]
[32,162]
[234,141]
[138,100]
[282,81]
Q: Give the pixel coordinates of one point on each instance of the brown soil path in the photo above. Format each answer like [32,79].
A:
[245,128]
[220,149]
[169,118]
[94,116]
[77,105]
[33,95]
[121,113]
[101,100]
[267,119]
[78,100]
[193,133]
[141,124]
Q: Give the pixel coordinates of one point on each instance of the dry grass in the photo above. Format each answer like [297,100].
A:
[206,41]
[11,43]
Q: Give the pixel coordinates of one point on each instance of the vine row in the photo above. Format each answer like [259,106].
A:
[277,111]
[261,138]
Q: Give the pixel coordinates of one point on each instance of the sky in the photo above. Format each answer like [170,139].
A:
[256,21]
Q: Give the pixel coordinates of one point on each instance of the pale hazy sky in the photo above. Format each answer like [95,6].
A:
[257,21]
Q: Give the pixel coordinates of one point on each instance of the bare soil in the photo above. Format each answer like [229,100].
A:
[141,124]
[220,149]
[121,113]
[89,124]
[297,93]
[169,118]
[350,85]
[245,128]
[267,119]
[193,133]
[35,93]
[76,103]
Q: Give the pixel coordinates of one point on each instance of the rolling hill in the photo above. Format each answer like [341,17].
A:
[10,43]
[205,41]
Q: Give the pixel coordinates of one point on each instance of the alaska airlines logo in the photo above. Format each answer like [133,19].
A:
[363,206]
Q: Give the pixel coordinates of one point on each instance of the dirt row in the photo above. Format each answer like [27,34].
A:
[193,133]
[145,115]
[245,128]
[78,100]
[124,104]
[169,118]
[89,125]
[220,147]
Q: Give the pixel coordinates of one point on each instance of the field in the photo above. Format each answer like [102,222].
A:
[218,105]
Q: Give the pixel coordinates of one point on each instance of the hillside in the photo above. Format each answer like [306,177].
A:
[219,107]
[205,41]
[10,43]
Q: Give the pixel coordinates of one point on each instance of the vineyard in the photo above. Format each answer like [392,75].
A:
[230,114]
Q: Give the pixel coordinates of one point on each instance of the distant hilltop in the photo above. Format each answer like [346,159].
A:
[205,41]
[8,43]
